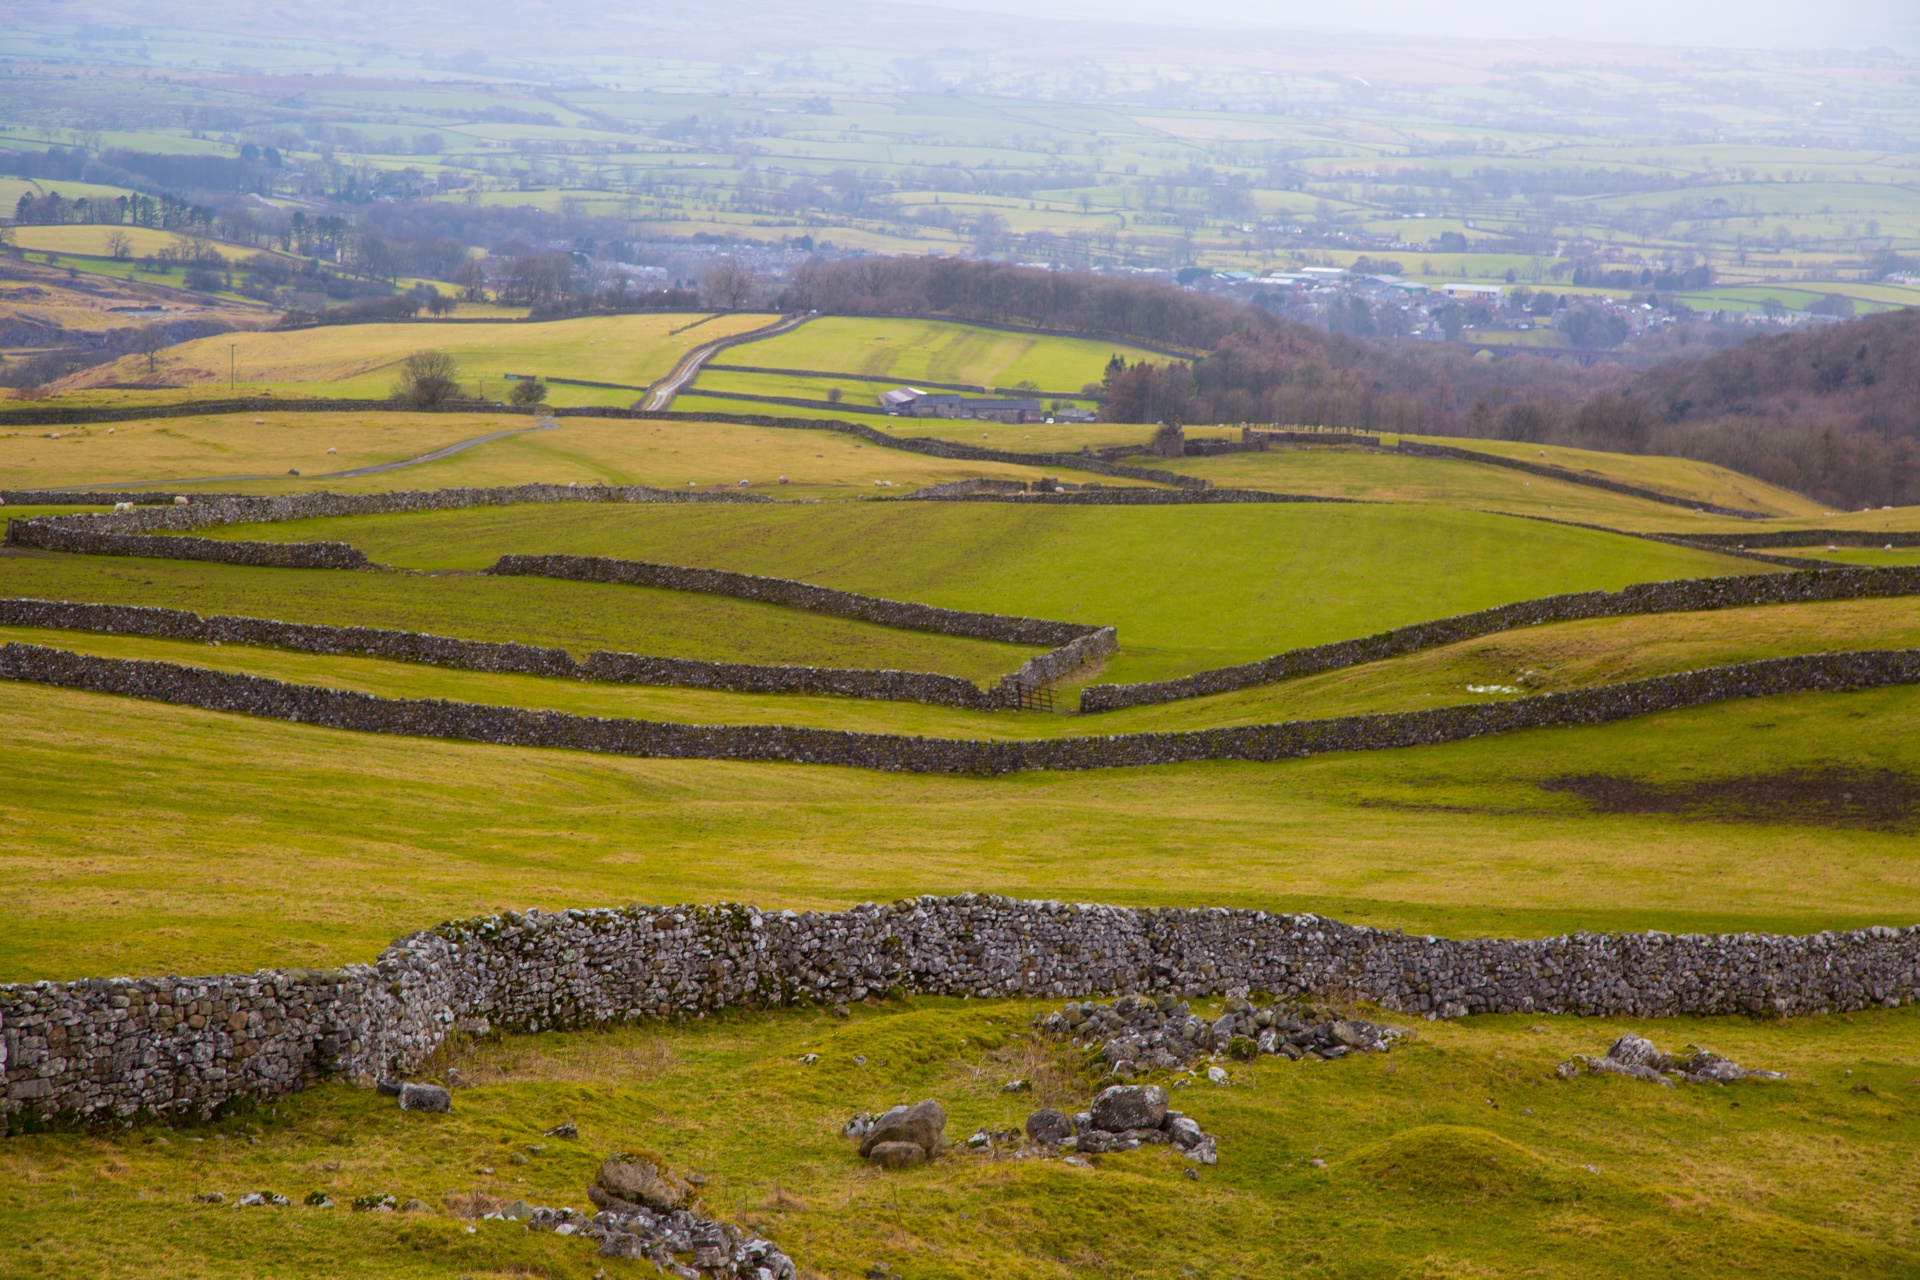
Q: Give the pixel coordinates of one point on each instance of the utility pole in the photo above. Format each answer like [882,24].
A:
[233,364]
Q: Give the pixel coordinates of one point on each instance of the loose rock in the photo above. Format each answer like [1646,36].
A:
[628,1182]
[425,1097]
[923,1123]
[1638,1057]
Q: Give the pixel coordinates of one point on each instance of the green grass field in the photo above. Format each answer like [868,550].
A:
[360,361]
[577,616]
[1188,587]
[173,452]
[216,843]
[936,351]
[1461,1148]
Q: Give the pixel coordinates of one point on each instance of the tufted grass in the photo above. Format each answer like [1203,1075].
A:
[1460,1151]
[207,842]
[1190,587]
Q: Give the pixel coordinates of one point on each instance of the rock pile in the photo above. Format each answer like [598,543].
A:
[1637,1056]
[679,1243]
[1123,1117]
[1139,1033]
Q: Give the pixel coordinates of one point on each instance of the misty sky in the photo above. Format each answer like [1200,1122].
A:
[1728,23]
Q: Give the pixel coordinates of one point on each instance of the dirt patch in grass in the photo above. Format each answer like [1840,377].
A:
[1868,799]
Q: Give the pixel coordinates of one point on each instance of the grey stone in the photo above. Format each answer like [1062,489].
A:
[1049,1127]
[425,1097]
[923,1123]
[639,1181]
[896,1155]
[1129,1106]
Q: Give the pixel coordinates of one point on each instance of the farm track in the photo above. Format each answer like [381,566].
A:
[688,368]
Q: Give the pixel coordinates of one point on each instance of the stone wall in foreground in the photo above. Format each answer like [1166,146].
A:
[1683,595]
[104,1049]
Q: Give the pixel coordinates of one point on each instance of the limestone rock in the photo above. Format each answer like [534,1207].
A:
[922,1123]
[425,1097]
[1049,1127]
[1129,1106]
[897,1155]
[628,1181]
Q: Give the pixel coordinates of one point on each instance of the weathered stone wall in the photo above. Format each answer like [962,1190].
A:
[498,656]
[514,726]
[1571,477]
[1762,538]
[102,1049]
[45,535]
[1682,595]
[796,595]
[206,510]
[1058,664]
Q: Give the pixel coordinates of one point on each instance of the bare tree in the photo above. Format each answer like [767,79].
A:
[728,285]
[427,378]
[119,247]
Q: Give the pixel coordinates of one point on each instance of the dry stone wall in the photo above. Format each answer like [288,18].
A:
[44,535]
[1102,497]
[1682,595]
[796,595]
[110,1049]
[495,656]
[514,726]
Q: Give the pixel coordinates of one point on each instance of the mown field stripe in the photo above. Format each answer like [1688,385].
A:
[182,685]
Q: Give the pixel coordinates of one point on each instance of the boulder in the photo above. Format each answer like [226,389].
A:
[922,1123]
[1049,1127]
[628,1181]
[1129,1106]
[897,1155]
[425,1097]
[1185,1134]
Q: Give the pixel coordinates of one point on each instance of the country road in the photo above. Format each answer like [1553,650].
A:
[661,397]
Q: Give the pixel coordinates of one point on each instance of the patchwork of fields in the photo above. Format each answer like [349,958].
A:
[146,836]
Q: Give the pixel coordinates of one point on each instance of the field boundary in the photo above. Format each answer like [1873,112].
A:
[1680,595]
[1418,450]
[794,594]
[260,696]
[874,377]
[113,1049]
[507,657]
[932,446]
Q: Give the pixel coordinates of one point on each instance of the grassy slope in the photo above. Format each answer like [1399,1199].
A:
[1682,477]
[857,394]
[217,842]
[585,450]
[1386,477]
[359,360]
[935,351]
[1189,587]
[578,616]
[171,449]
[1459,1150]
[1540,659]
